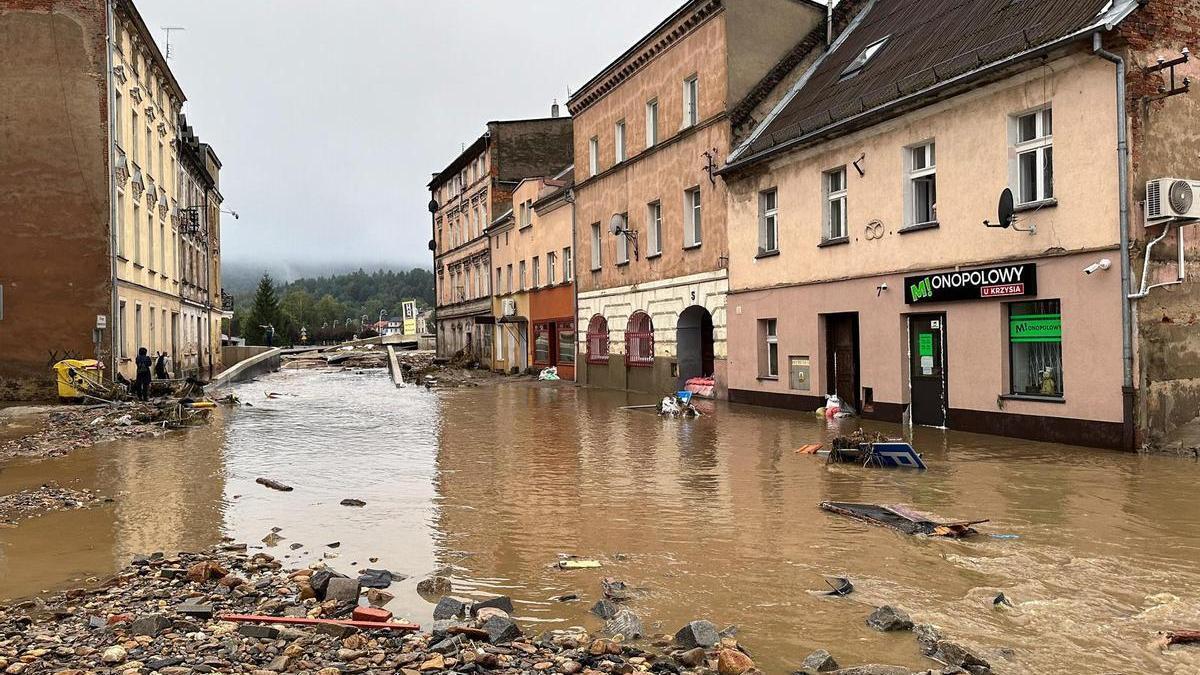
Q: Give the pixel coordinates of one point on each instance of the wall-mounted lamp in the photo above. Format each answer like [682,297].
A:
[618,226]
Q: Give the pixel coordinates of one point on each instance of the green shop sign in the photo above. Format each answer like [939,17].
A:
[1035,328]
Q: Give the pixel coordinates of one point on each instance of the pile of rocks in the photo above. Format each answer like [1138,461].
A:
[69,428]
[49,497]
[164,614]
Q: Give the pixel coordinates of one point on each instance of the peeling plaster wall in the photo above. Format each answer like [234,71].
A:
[1164,142]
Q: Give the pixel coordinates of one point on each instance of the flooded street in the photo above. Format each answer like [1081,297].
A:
[712,518]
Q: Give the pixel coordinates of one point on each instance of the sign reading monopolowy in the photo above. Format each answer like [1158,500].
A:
[1007,281]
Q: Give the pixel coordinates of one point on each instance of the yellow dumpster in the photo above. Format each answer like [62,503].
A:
[77,377]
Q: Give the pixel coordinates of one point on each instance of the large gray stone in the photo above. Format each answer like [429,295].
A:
[888,618]
[605,609]
[151,624]
[449,608]
[502,602]
[874,669]
[625,623]
[958,655]
[501,629]
[928,637]
[251,630]
[819,661]
[343,590]
[201,610]
[697,634]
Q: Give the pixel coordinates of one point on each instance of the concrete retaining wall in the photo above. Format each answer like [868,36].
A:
[263,362]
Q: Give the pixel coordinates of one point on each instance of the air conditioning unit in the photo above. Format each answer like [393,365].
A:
[1172,198]
[509,307]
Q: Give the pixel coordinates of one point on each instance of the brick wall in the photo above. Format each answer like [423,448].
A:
[54,249]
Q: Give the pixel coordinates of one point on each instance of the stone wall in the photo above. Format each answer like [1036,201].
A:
[1164,142]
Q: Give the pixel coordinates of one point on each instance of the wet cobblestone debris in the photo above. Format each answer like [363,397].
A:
[18,506]
[70,428]
[164,614]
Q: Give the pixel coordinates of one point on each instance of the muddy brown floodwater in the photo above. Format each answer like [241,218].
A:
[713,518]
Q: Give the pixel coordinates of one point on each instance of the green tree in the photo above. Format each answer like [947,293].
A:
[263,312]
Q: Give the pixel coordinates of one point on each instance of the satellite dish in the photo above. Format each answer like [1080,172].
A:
[617,224]
[1005,212]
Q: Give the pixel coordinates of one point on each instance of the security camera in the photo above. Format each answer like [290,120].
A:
[1103,264]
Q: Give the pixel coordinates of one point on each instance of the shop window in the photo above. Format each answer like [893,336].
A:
[639,340]
[541,344]
[1035,348]
[597,340]
[768,354]
[566,343]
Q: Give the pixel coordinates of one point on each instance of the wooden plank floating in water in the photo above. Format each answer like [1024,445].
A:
[304,621]
[274,484]
[903,519]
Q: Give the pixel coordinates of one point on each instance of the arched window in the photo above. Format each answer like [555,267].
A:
[597,340]
[639,340]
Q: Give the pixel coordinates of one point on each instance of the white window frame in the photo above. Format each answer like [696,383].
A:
[119,120]
[568,265]
[521,276]
[771,348]
[120,228]
[654,227]
[693,218]
[1039,146]
[623,244]
[914,174]
[691,101]
[768,221]
[597,242]
[834,201]
[651,122]
[137,234]
[594,155]
[619,140]
[537,272]
[550,260]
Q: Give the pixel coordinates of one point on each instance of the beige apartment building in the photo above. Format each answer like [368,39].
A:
[861,264]
[147,101]
[651,130]
[465,197]
[533,293]
[198,219]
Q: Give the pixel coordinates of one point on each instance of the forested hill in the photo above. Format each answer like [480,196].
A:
[328,300]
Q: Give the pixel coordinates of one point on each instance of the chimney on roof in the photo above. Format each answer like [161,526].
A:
[554,108]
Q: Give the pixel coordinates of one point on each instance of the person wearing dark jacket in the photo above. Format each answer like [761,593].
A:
[160,366]
[141,386]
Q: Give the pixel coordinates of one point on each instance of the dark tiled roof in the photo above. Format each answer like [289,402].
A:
[928,42]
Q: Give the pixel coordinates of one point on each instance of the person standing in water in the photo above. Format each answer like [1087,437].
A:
[141,387]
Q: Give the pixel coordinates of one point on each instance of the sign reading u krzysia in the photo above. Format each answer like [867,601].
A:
[1008,281]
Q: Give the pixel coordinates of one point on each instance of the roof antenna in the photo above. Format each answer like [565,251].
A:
[167,30]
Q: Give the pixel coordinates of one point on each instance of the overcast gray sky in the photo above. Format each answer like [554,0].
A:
[330,115]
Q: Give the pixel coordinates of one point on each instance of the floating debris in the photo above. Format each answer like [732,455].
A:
[903,519]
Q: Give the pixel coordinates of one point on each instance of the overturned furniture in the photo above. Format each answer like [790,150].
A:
[874,449]
[904,519]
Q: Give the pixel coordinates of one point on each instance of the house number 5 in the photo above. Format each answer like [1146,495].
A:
[693,296]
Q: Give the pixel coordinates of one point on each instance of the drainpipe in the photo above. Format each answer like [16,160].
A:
[114,300]
[1127,389]
[829,24]
[570,199]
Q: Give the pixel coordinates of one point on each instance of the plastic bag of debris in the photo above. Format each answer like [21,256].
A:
[549,374]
